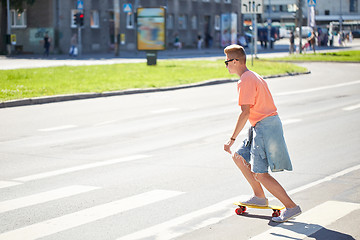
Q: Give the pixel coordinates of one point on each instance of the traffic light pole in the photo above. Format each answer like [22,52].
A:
[79,41]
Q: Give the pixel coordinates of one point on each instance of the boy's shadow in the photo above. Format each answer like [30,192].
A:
[317,231]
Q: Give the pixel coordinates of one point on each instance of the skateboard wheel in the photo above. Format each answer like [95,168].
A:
[238,211]
[276,214]
[243,208]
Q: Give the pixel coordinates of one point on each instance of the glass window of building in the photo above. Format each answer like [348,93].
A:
[182,21]
[217,22]
[129,20]
[18,19]
[353,5]
[227,1]
[170,21]
[94,19]
[194,22]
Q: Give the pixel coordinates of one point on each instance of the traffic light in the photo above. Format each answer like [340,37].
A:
[76,19]
[81,19]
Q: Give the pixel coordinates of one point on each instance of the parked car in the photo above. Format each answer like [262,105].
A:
[356,34]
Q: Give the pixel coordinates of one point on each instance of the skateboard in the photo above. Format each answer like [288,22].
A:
[242,208]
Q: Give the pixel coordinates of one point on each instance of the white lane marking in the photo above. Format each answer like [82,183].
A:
[5,184]
[290,121]
[64,127]
[200,219]
[309,222]
[350,108]
[317,89]
[88,215]
[326,179]
[78,168]
[104,123]
[164,110]
[34,199]
[186,223]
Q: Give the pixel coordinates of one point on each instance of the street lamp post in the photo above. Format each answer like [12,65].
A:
[8,32]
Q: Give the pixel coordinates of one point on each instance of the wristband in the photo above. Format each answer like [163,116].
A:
[233,139]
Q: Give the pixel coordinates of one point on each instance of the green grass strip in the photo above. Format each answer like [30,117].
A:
[37,82]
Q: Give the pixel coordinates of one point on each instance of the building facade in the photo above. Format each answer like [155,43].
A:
[212,20]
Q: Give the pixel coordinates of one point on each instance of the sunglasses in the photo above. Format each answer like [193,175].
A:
[230,60]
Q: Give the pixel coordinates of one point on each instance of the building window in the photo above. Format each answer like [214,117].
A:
[217,22]
[18,19]
[227,1]
[353,5]
[182,21]
[94,19]
[130,20]
[327,12]
[194,22]
[170,21]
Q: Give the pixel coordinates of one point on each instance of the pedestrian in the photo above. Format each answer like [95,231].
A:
[47,41]
[177,43]
[73,48]
[265,145]
[199,43]
[292,43]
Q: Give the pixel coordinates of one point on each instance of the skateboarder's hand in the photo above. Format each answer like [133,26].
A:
[228,145]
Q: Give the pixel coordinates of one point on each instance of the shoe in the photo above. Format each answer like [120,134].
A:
[288,214]
[256,201]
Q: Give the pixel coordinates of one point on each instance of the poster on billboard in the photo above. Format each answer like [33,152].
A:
[151,29]
[228,29]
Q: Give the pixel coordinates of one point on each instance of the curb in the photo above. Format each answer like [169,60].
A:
[81,96]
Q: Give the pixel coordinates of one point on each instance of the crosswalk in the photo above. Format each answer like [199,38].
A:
[308,223]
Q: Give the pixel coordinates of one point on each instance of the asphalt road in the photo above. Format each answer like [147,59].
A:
[152,166]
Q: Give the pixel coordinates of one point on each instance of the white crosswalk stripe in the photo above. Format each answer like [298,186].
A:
[22,202]
[88,215]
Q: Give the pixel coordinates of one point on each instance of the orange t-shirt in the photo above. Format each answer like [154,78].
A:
[253,90]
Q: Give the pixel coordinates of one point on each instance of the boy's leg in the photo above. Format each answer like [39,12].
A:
[246,171]
[275,189]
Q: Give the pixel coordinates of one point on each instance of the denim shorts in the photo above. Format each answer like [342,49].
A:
[265,147]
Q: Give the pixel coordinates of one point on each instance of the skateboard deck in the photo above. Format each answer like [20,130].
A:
[242,208]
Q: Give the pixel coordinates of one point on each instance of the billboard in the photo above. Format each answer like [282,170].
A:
[228,29]
[151,29]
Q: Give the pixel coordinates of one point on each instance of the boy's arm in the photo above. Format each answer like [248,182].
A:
[243,117]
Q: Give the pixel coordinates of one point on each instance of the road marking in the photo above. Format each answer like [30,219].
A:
[202,218]
[350,108]
[34,199]
[318,88]
[88,215]
[164,110]
[290,121]
[57,128]
[5,184]
[104,123]
[310,222]
[186,223]
[79,168]
[326,179]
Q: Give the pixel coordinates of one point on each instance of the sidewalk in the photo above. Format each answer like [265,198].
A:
[281,48]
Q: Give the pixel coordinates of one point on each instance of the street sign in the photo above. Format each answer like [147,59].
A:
[252,7]
[127,7]
[80,5]
[311,3]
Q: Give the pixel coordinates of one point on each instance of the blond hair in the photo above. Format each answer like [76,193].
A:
[235,51]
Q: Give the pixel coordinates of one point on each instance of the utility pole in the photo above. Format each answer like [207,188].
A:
[269,21]
[117,26]
[299,19]
[8,32]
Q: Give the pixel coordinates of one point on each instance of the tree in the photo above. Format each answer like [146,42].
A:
[14,4]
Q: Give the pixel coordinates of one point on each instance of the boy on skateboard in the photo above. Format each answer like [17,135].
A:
[265,145]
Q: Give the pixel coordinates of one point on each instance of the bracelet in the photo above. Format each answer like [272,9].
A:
[233,139]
